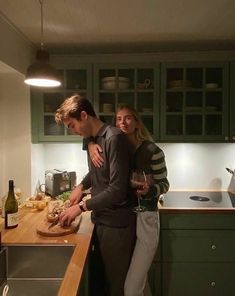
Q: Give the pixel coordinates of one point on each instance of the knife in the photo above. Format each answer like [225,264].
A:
[54,223]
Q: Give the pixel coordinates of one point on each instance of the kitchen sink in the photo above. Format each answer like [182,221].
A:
[35,269]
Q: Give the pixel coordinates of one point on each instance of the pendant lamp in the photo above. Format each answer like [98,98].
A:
[41,73]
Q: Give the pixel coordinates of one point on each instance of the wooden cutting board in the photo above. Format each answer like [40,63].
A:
[58,230]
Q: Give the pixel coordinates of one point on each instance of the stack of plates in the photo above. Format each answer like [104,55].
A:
[211,85]
[107,108]
[113,82]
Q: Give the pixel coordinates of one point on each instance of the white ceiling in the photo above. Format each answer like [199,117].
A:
[95,26]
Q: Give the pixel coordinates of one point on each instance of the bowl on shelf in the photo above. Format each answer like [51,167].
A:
[211,108]
[211,85]
[179,83]
[114,82]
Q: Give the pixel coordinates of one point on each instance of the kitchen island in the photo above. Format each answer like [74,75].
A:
[26,234]
[197,242]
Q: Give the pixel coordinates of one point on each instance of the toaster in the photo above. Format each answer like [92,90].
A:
[57,182]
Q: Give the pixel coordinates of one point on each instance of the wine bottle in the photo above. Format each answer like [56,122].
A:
[11,208]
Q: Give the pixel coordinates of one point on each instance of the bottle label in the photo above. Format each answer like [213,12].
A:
[12,219]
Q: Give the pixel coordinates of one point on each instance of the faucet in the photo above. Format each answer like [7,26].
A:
[230,171]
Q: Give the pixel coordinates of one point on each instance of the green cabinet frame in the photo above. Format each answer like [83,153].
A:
[197,253]
[44,102]
[178,102]
[195,102]
[232,102]
[136,84]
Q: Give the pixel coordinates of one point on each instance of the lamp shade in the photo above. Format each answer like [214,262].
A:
[41,73]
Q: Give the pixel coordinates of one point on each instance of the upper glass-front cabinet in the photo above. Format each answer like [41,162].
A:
[136,85]
[232,102]
[46,101]
[178,102]
[194,102]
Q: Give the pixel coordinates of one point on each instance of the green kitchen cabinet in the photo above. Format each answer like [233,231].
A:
[155,273]
[137,85]
[196,279]
[44,102]
[84,285]
[197,255]
[195,102]
[232,101]
[178,102]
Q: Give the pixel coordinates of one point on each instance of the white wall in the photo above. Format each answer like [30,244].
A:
[199,166]
[15,143]
[37,166]
[190,166]
[68,157]
[15,50]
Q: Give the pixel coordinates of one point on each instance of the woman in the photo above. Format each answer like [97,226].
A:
[150,159]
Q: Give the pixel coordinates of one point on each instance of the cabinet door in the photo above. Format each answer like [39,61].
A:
[44,103]
[136,85]
[194,279]
[232,101]
[198,245]
[194,102]
[154,278]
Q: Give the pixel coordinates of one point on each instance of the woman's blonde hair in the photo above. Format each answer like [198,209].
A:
[141,132]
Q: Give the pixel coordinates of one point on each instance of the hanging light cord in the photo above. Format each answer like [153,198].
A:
[42,43]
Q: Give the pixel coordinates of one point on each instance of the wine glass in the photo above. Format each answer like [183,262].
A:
[138,182]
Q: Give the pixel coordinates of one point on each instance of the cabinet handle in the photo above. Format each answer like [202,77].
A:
[213,247]
[212,284]
[227,138]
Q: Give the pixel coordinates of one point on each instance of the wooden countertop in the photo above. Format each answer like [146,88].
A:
[26,233]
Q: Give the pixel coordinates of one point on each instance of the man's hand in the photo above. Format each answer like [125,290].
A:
[69,215]
[76,195]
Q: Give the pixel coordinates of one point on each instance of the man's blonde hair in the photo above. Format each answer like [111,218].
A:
[72,107]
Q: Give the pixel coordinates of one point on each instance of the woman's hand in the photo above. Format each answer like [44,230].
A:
[67,217]
[94,151]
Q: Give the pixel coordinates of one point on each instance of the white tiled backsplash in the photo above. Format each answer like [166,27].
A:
[190,166]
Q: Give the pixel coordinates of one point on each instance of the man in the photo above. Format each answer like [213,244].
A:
[110,203]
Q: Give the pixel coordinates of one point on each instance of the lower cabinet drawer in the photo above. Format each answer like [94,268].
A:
[198,245]
[3,267]
[195,220]
[198,279]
